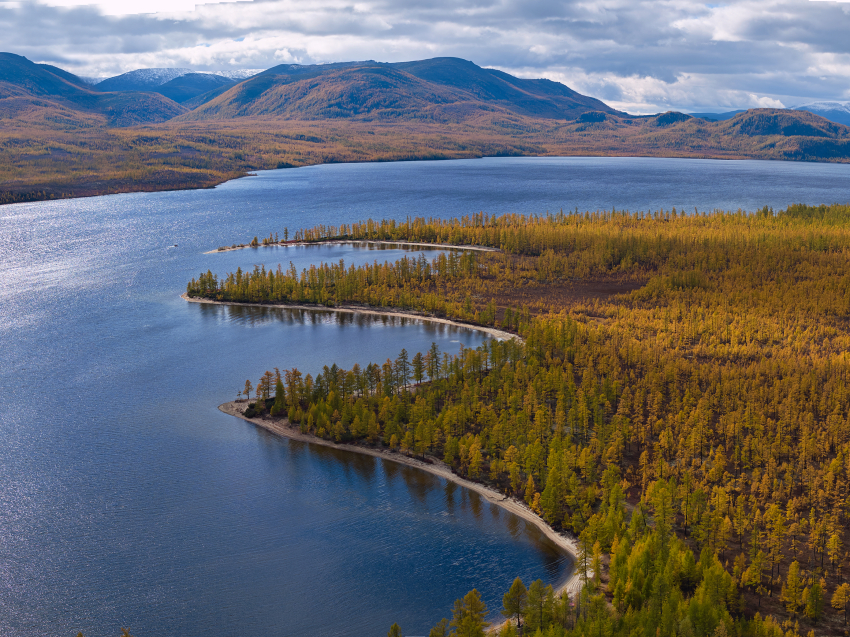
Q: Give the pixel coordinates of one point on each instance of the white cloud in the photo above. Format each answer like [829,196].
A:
[136,7]
[640,55]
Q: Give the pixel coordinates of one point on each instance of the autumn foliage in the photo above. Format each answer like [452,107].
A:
[714,399]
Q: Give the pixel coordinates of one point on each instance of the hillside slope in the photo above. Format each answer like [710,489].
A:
[189,86]
[439,90]
[834,111]
[140,80]
[535,98]
[40,94]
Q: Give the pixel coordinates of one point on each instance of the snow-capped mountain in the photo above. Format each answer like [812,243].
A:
[838,112]
[141,79]
[238,75]
[152,79]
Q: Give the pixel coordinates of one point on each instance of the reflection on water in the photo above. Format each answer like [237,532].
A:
[127,499]
[475,504]
[513,526]
[254,315]
[450,490]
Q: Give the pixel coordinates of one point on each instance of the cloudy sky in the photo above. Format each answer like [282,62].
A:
[641,56]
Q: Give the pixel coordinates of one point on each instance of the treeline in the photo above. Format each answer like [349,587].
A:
[638,239]
[725,378]
[48,153]
[573,422]
[656,586]
[7,196]
[725,285]
[409,283]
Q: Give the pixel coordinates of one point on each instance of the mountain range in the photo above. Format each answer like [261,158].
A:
[834,111]
[45,95]
[838,112]
[152,129]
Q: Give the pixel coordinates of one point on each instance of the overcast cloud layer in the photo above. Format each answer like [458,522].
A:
[638,55]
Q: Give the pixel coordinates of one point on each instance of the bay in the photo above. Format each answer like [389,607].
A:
[127,499]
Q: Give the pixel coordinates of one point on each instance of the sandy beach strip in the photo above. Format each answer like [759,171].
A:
[284,244]
[571,585]
[355,309]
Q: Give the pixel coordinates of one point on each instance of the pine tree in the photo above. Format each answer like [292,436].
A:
[395,631]
[792,591]
[529,491]
[534,616]
[833,548]
[279,407]
[514,601]
[814,601]
[841,599]
[475,459]
[418,368]
[596,566]
[441,629]
[468,615]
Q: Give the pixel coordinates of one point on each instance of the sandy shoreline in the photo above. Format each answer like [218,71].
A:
[347,242]
[572,585]
[354,309]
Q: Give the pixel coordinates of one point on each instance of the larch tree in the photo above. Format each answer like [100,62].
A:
[792,592]
[514,601]
[468,615]
[814,600]
[441,629]
[841,599]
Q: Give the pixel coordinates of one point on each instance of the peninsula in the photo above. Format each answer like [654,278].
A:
[678,402]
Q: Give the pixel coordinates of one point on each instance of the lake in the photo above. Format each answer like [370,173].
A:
[128,499]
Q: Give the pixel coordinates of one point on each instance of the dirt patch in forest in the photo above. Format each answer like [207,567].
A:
[544,297]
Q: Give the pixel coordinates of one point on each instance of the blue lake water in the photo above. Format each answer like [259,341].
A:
[127,499]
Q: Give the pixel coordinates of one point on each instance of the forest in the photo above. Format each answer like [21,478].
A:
[678,400]
[50,153]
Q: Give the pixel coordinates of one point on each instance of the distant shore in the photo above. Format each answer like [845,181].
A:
[444,246]
[356,309]
[283,428]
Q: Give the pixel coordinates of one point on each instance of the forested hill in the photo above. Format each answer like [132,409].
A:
[42,95]
[440,88]
[681,402]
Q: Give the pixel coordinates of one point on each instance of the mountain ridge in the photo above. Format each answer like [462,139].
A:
[30,91]
[439,89]
[141,79]
[62,137]
[838,112]
[190,85]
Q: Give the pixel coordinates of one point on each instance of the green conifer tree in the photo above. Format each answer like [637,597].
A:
[468,615]
[814,601]
[792,592]
[514,601]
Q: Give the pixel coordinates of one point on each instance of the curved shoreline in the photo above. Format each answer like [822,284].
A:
[285,244]
[283,428]
[354,309]
[571,585]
